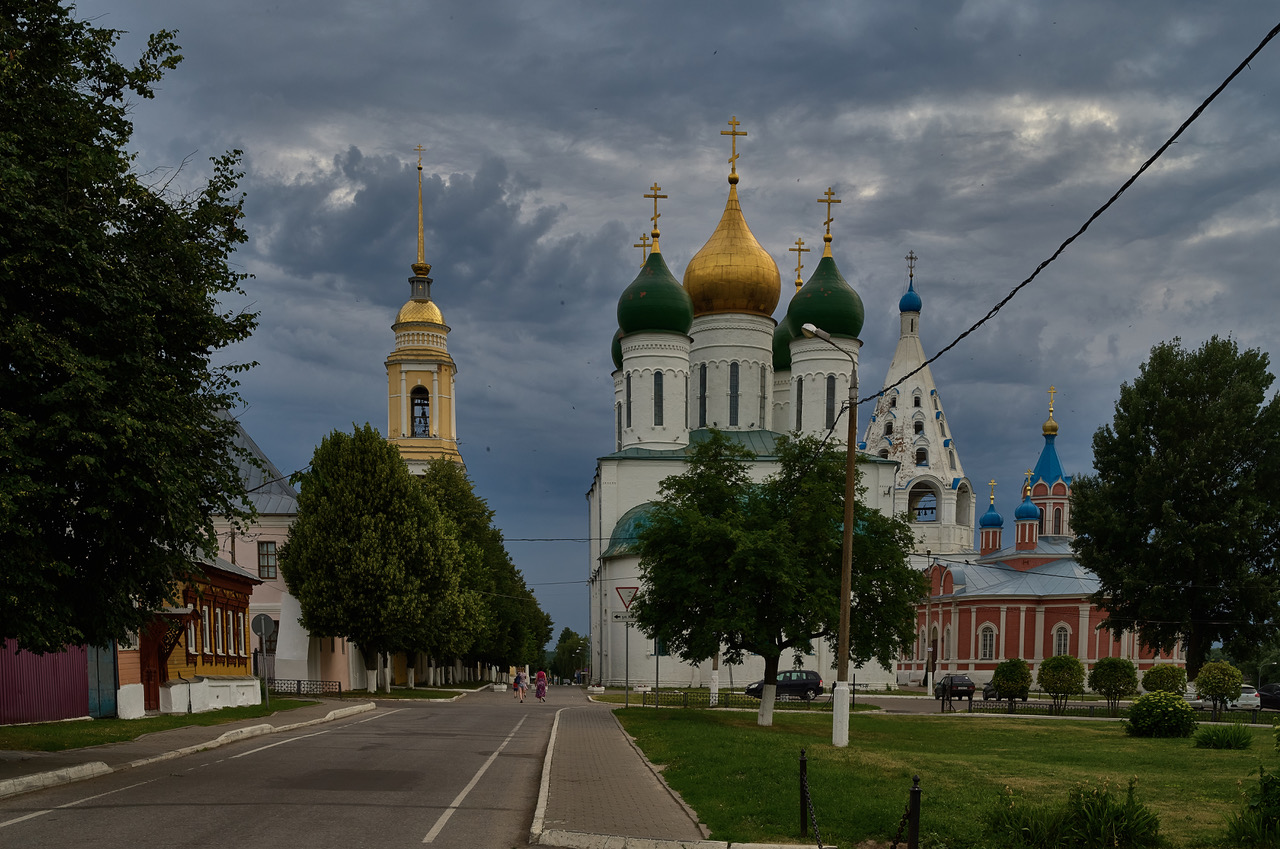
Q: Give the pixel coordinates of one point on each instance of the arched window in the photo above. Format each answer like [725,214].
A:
[919,427]
[420,400]
[831,401]
[618,431]
[764,396]
[628,400]
[1057,521]
[702,395]
[922,456]
[1062,640]
[922,503]
[987,643]
[952,455]
[657,399]
[799,402]
[733,394]
[893,401]
[1040,527]
[888,428]
[915,401]
[884,452]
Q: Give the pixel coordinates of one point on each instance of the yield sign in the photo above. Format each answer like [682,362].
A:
[628,595]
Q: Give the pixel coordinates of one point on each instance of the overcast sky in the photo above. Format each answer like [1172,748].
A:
[978,135]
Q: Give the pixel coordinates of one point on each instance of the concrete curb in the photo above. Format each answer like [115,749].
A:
[583,840]
[68,775]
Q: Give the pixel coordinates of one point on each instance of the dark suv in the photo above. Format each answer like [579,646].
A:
[960,687]
[793,684]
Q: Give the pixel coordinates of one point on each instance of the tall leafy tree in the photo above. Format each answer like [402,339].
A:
[113,458]
[1179,523]
[570,654]
[755,567]
[370,557]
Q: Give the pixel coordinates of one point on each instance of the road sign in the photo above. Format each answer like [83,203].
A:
[263,625]
[628,595]
[622,616]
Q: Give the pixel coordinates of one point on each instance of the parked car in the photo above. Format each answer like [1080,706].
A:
[989,691]
[1269,696]
[960,687]
[792,684]
[1248,699]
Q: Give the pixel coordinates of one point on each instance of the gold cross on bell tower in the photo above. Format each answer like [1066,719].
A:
[911,264]
[733,134]
[643,245]
[828,197]
[420,268]
[655,192]
[799,250]
[1051,393]
[993,490]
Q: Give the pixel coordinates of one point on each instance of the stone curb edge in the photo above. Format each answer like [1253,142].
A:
[583,840]
[80,772]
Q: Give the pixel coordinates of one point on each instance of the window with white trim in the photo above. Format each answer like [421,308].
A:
[1061,640]
[987,643]
[206,628]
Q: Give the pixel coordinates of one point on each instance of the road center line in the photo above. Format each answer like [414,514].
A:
[444,818]
[35,814]
[277,743]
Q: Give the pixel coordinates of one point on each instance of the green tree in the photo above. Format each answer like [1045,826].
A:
[114,459]
[509,627]
[1165,677]
[1114,678]
[1061,676]
[570,654]
[1178,523]
[755,567]
[370,557]
[1219,682]
[1012,680]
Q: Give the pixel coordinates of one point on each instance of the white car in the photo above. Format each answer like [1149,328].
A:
[1247,700]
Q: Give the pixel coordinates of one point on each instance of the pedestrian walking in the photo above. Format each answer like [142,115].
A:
[522,683]
[541,691]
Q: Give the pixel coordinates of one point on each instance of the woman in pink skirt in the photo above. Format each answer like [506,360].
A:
[541,691]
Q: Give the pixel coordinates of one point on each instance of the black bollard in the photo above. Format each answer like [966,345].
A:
[913,818]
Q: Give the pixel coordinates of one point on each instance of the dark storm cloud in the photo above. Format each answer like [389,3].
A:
[977,134]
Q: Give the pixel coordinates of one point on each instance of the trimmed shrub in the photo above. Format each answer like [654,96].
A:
[1166,677]
[1061,676]
[1258,824]
[1234,736]
[1114,678]
[1093,818]
[1160,714]
[1219,681]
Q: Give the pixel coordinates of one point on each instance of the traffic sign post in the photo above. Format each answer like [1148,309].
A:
[264,626]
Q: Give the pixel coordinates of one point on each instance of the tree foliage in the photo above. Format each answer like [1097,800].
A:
[113,458]
[1165,677]
[509,627]
[733,565]
[1219,682]
[1178,523]
[1061,676]
[1012,679]
[1114,678]
[370,557]
[570,654]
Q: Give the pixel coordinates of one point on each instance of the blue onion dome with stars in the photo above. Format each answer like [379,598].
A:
[910,301]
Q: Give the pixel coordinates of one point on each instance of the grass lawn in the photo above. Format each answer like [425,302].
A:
[76,734]
[743,780]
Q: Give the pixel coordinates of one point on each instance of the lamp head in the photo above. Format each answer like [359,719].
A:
[812,330]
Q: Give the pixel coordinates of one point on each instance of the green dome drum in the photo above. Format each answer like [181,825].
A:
[655,301]
[827,301]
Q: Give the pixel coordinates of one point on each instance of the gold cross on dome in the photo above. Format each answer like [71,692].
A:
[829,197]
[733,134]
[1051,392]
[799,250]
[655,193]
[643,245]
[419,149]
[911,264]
[993,490]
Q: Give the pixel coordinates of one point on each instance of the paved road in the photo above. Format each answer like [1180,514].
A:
[406,774]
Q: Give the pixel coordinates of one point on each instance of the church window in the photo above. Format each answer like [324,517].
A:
[733,394]
[888,428]
[267,559]
[618,430]
[952,456]
[919,427]
[628,400]
[916,401]
[420,400]
[764,395]
[884,452]
[657,399]
[987,643]
[1057,521]
[893,401]
[923,504]
[942,427]
[1062,640]
[831,401]
[1040,526]
[922,456]
[702,395]
[935,404]
[799,402]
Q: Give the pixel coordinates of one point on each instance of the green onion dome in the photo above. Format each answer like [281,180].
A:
[616,349]
[827,301]
[655,301]
[782,336]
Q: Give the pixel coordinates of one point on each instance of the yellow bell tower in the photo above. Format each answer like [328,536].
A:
[422,420]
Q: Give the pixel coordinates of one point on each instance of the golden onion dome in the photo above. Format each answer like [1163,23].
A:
[732,272]
[416,310]
[1050,426]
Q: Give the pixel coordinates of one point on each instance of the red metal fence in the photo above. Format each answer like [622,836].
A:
[40,688]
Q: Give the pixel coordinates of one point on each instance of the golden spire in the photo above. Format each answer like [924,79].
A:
[421,268]
[799,250]
[643,245]
[733,134]
[1050,427]
[829,197]
[993,491]
[655,193]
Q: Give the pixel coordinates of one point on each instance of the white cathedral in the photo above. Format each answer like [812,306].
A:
[709,354]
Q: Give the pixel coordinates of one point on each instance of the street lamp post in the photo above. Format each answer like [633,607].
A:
[1262,666]
[840,693]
